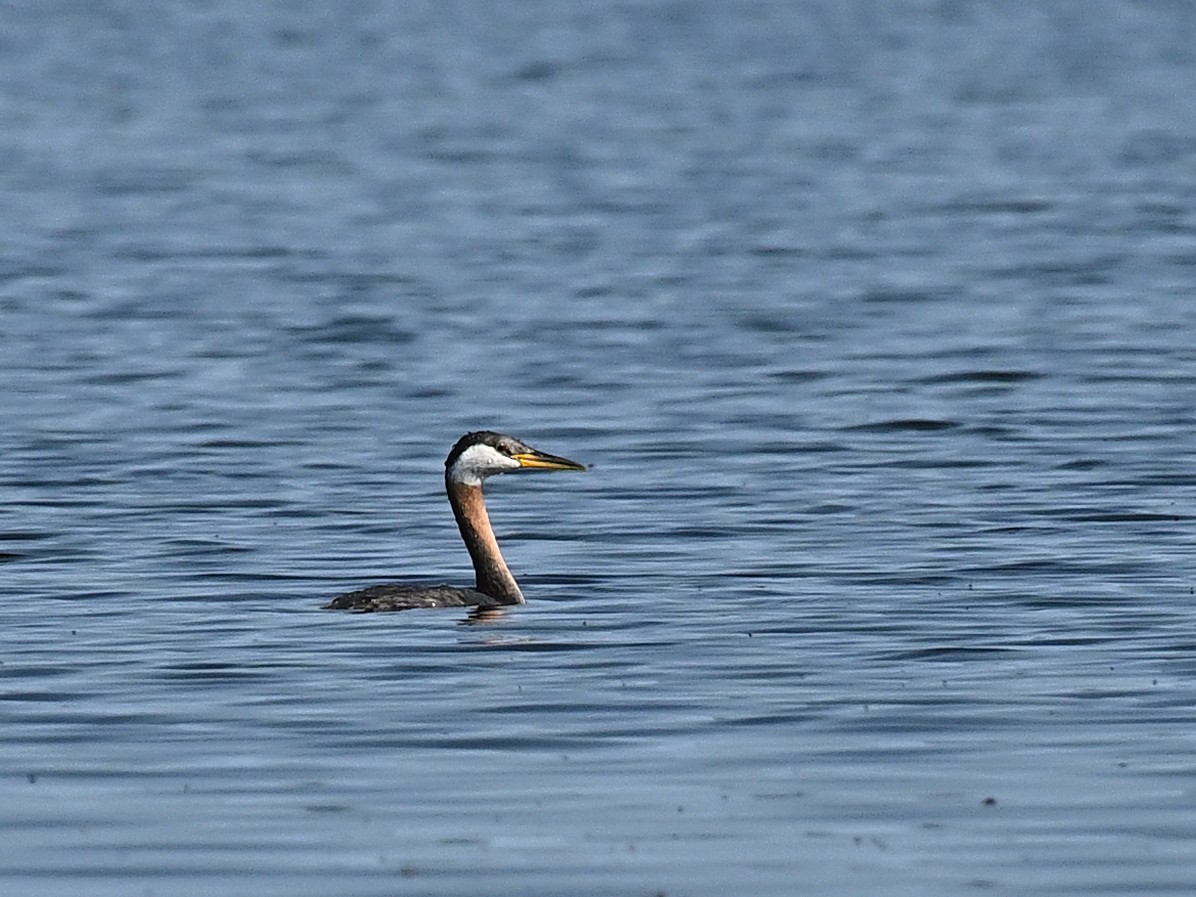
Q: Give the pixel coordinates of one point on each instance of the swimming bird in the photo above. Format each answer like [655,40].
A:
[474,457]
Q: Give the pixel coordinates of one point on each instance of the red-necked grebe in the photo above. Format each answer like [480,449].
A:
[474,457]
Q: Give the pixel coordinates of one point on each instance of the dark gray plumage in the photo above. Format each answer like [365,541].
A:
[398,596]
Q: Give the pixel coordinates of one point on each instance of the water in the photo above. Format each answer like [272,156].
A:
[874,321]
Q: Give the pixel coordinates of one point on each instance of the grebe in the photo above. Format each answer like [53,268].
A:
[474,457]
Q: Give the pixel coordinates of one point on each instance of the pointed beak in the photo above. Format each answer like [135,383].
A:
[543,461]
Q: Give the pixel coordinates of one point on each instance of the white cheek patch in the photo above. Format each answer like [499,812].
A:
[478,462]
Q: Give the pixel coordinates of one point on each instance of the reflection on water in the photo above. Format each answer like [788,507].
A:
[878,334]
[484,616]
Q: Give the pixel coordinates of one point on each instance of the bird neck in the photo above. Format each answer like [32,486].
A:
[493,576]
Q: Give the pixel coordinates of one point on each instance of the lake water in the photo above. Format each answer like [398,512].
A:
[875,321]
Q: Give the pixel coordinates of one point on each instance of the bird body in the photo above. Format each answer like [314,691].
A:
[475,457]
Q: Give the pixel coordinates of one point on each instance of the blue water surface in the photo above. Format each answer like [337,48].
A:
[874,321]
